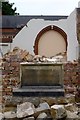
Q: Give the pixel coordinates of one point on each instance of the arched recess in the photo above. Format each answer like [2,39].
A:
[46,30]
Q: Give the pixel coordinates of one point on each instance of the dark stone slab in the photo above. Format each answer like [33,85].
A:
[41,74]
[37,91]
[40,79]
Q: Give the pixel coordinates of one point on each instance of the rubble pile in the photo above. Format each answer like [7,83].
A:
[36,108]
[28,111]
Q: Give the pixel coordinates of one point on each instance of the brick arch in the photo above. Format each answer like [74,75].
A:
[44,30]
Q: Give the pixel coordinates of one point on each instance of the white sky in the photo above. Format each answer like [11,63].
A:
[45,7]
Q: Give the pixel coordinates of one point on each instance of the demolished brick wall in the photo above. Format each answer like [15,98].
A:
[11,72]
[71,76]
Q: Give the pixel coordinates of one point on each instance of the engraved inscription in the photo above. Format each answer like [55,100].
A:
[40,75]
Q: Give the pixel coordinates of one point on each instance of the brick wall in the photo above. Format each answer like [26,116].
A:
[71,76]
[11,73]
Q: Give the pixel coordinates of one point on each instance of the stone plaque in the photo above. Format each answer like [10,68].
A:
[40,80]
[41,74]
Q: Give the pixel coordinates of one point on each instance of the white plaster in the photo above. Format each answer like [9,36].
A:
[79,4]
[5,47]
[26,37]
[72,36]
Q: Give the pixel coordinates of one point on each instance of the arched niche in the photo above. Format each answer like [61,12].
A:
[50,41]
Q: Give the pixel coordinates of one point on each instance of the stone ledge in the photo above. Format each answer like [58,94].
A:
[56,92]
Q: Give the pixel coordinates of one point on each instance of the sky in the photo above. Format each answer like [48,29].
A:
[45,7]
